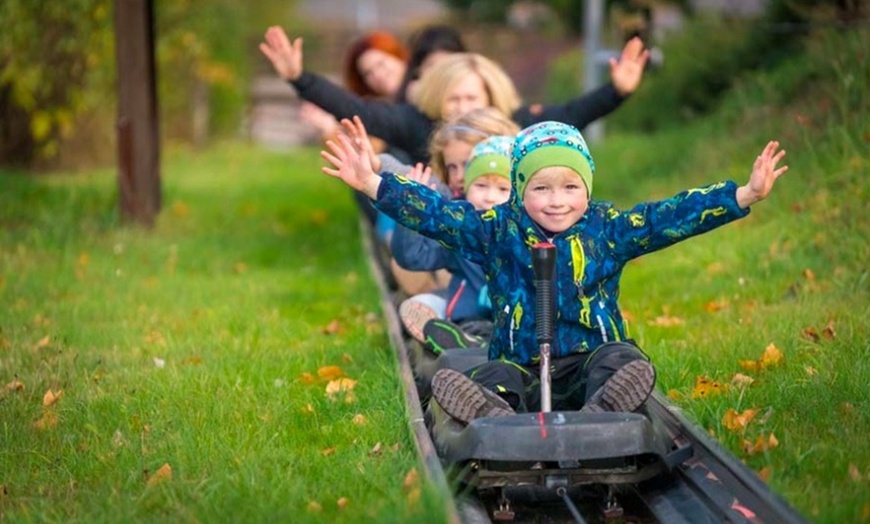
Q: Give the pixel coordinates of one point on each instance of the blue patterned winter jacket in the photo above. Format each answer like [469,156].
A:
[590,256]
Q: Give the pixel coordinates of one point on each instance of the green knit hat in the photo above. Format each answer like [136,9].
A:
[491,156]
[549,144]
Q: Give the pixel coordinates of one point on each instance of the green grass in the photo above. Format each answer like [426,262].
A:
[256,253]
[253,257]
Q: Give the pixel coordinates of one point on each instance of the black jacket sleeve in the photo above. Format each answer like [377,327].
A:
[400,125]
[579,112]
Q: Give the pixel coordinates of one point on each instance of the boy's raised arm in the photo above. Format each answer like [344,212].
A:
[764,175]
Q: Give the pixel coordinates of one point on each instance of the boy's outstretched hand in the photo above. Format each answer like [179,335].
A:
[286,56]
[764,175]
[351,164]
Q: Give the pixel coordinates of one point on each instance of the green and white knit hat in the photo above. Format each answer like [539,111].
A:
[547,144]
[491,156]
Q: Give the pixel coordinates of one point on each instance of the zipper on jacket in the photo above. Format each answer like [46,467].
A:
[507,311]
[601,322]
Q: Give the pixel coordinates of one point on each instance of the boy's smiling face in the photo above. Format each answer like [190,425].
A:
[556,198]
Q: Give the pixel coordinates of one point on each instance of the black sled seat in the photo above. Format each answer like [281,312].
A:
[581,448]
[426,365]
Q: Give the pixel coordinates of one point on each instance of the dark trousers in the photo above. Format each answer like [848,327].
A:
[574,379]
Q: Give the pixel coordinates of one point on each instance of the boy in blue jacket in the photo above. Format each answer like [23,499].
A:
[594,367]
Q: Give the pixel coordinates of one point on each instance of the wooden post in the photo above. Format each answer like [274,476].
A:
[138,131]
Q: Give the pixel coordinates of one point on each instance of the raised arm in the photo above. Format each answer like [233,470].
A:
[286,56]
[626,75]
[764,175]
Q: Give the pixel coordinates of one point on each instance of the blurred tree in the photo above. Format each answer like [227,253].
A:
[57,63]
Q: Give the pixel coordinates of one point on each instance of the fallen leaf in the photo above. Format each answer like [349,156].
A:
[192,361]
[161,475]
[772,356]
[764,473]
[346,358]
[51,397]
[44,341]
[341,503]
[715,268]
[854,474]
[716,305]
[737,422]
[674,394]
[412,478]
[159,363]
[341,385]
[359,419]
[829,332]
[330,373]
[328,451]
[396,447]
[810,334]
[377,450]
[240,268]
[314,507]
[13,386]
[809,275]
[811,371]
[749,365]
[761,444]
[307,378]
[705,387]
[666,321]
[308,408]
[739,379]
[332,328]
[47,421]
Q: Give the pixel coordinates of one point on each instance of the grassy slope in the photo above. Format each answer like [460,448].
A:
[254,256]
[234,287]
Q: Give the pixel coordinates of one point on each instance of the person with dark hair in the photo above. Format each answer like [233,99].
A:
[427,46]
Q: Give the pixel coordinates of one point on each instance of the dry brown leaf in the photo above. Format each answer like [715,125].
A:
[161,475]
[346,358]
[772,356]
[811,371]
[44,341]
[12,387]
[673,394]
[761,444]
[854,474]
[377,450]
[739,379]
[359,419]
[829,332]
[809,275]
[737,422]
[341,385]
[810,334]
[395,447]
[332,328]
[705,387]
[341,503]
[412,479]
[749,365]
[764,473]
[716,305]
[47,421]
[192,361]
[50,397]
[328,451]
[666,321]
[307,378]
[330,373]
[314,507]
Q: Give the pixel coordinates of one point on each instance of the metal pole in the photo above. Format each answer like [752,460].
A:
[593,19]
[543,264]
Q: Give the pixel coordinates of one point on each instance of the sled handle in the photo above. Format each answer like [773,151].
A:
[544,263]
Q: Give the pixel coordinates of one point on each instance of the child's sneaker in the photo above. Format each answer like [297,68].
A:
[414,315]
[440,335]
[625,390]
[465,399]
